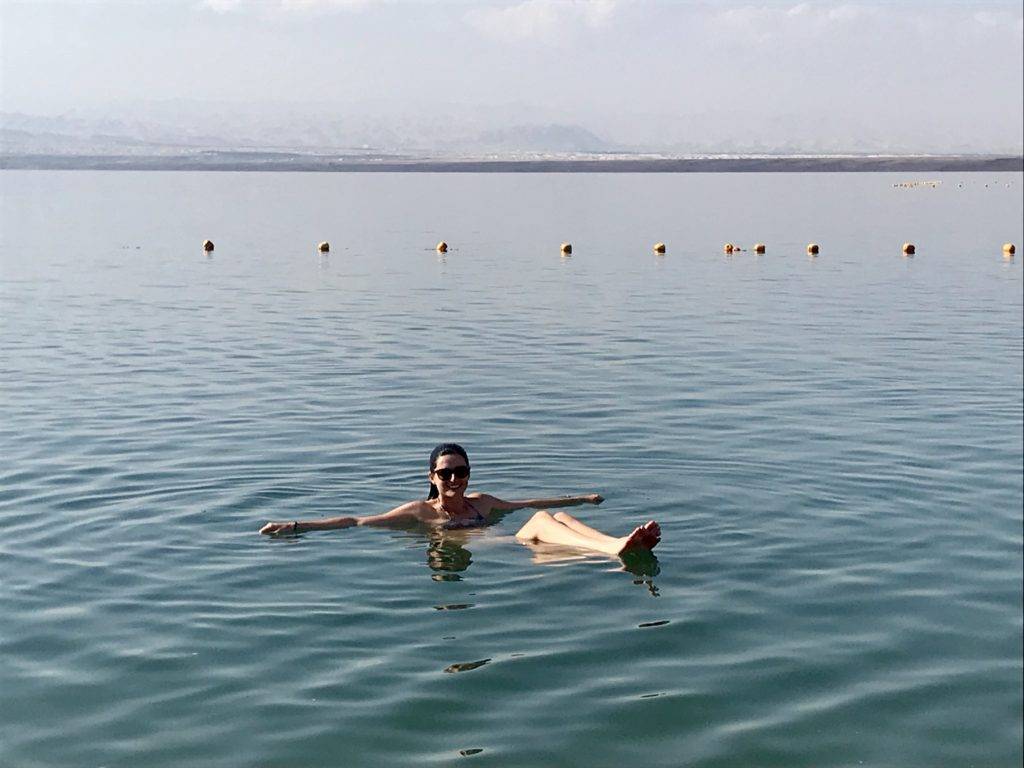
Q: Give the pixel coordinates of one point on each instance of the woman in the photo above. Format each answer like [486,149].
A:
[448,506]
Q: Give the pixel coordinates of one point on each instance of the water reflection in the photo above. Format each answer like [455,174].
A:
[447,556]
[644,567]
[641,564]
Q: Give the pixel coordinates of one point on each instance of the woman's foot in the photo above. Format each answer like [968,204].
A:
[653,533]
[645,536]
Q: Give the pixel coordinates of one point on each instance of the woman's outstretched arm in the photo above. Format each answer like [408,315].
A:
[499,505]
[399,515]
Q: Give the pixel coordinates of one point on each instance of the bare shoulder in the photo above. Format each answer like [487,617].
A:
[417,508]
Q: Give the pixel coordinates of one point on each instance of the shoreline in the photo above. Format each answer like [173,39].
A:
[278,162]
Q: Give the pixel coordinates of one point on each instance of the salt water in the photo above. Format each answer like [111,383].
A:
[833,447]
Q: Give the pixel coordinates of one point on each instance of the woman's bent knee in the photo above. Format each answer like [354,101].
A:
[542,514]
[529,531]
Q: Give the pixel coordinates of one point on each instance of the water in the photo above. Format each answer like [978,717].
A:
[833,447]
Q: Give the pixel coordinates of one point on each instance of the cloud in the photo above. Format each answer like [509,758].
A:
[227,6]
[544,20]
[847,13]
[763,22]
[1000,20]
[221,6]
[767,21]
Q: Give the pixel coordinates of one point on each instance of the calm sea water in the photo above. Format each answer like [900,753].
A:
[833,447]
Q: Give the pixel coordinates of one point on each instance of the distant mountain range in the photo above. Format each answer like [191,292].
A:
[377,131]
[28,135]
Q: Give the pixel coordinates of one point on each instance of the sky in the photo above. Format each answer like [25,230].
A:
[939,75]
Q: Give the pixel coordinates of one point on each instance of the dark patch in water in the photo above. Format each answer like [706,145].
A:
[453,607]
[661,623]
[468,752]
[651,695]
[466,666]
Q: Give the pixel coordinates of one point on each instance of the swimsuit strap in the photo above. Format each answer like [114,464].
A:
[461,522]
[475,510]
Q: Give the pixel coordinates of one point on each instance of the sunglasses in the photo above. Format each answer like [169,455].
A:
[447,473]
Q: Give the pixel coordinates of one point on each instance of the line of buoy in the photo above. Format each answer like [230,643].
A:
[909,249]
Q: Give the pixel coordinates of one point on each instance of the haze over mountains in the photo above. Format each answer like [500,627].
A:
[181,126]
[511,78]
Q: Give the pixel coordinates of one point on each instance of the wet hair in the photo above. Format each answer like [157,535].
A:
[444,449]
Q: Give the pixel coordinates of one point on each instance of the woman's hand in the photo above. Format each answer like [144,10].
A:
[276,529]
[593,498]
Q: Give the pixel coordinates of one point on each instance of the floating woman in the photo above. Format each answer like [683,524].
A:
[448,506]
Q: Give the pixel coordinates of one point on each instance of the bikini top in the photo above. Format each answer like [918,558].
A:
[466,522]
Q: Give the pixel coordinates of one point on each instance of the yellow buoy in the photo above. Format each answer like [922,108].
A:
[909,249]
[659,247]
[324,247]
[759,248]
[1009,249]
[442,247]
[812,249]
[566,249]
[728,247]
[207,245]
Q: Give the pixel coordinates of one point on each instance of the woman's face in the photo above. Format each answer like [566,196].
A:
[450,474]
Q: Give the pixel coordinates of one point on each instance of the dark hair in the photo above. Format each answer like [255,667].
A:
[444,449]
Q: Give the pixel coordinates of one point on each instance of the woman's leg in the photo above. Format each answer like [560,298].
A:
[571,522]
[651,530]
[544,528]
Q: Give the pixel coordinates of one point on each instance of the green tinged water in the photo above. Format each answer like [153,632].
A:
[833,447]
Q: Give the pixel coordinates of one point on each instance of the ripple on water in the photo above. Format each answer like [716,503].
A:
[833,449]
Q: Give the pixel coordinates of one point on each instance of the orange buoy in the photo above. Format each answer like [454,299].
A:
[442,247]
[566,249]
[909,249]
[659,247]
[728,247]
[1009,249]
[324,247]
[207,245]
[812,249]
[759,248]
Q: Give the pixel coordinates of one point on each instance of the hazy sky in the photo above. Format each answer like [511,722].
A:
[618,67]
